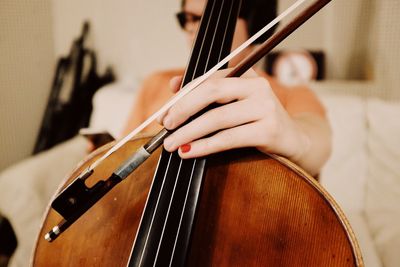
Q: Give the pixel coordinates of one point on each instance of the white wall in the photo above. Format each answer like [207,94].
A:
[139,36]
[135,36]
[386,52]
[310,35]
[26,65]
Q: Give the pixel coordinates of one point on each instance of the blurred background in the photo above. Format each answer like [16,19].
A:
[127,35]
[351,47]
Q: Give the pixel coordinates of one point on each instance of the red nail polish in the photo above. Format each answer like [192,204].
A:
[185,148]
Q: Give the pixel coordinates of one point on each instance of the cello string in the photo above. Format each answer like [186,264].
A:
[184,206]
[215,32]
[225,32]
[202,44]
[195,83]
[167,215]
[152,218]
[168,165]
[195,160]
[180,159]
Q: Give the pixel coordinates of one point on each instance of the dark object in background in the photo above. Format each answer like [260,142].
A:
[97,139]
[318,56]
[8,241]
[70,101]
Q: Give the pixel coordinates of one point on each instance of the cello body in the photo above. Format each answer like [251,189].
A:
[255,210]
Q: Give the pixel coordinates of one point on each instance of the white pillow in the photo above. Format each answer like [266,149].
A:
[344,174]
[111,107]
[383,185]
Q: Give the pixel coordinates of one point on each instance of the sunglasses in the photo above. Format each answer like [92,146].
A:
[186,17]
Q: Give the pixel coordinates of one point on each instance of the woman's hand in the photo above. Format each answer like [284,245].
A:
[251,116]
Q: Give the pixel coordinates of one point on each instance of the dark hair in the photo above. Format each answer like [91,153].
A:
[257,14]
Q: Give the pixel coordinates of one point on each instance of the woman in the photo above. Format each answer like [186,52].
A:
[258,112]
[268,116]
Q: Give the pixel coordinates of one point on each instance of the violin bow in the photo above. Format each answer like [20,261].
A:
[77,198]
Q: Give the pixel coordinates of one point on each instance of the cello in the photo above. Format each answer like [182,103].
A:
[237,208]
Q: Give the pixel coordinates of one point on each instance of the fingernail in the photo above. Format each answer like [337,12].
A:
[185,148]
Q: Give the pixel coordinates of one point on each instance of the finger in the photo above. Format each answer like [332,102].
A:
[237,137]
[160,118]
[227,116]
[90,147]
[212,91]
[175,83]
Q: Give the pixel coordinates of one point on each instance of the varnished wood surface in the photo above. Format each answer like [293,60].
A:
[278,220]
[254,211]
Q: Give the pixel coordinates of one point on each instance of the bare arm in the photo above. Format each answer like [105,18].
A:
[317,146]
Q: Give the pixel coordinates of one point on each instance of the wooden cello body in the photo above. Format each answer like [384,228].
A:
[255,210]
[248,209]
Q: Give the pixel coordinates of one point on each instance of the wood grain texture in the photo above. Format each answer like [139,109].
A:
[254,211]
[277,219]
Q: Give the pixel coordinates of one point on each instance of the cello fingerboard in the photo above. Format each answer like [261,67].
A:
[164,233]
